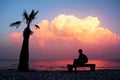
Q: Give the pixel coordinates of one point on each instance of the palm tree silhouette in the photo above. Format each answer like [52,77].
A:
[24,54]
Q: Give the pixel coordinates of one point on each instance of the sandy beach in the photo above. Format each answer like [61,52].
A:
[60,75]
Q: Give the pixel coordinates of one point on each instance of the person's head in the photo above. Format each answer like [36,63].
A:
[80,51]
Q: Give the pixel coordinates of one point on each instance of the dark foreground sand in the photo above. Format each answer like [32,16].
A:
[60,75]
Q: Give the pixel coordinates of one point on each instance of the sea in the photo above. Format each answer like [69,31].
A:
[60,64]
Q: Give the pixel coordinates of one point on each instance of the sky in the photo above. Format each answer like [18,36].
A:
[65,26]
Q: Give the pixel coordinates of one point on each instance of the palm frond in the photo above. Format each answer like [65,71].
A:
[37,27]
[15,24]
[25,16]
[35,13]
[31,16]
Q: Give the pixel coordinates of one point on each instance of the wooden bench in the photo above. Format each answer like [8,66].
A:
[70,66]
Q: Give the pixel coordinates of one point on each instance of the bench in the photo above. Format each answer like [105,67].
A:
[70,66]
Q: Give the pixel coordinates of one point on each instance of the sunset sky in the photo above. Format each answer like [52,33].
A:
[65,26]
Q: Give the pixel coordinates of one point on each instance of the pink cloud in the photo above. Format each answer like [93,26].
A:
[15,37]
[62,37]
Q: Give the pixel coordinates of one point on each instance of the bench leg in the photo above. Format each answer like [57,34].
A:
[92,68]
[70,69]
[75,68]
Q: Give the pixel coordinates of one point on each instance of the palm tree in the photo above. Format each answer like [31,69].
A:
[24,54]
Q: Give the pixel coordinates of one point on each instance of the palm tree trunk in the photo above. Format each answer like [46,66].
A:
[24,55]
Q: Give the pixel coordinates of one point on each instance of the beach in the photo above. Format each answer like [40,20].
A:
[12,74]
[57,70]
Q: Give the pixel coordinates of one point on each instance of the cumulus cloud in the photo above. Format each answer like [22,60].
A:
[15,37]
[66,33]
[69,28]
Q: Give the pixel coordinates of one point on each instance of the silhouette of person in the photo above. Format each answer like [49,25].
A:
[81,60]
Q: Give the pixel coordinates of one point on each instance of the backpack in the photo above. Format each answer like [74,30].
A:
[85,59]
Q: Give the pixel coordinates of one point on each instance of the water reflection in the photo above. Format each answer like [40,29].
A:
[61,64]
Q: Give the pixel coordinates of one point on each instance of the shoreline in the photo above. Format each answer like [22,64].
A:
[12,74]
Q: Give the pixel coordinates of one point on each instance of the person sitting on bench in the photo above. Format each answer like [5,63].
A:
[81,60]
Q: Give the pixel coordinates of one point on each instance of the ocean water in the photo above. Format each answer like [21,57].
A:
[60,64]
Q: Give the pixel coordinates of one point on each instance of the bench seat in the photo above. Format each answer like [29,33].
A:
[70,66]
